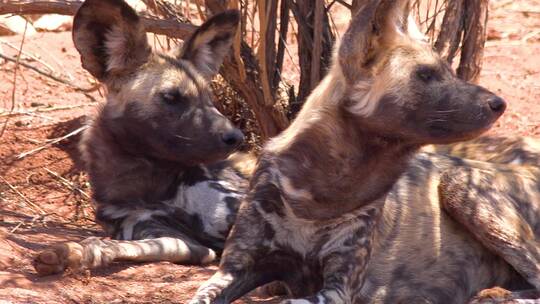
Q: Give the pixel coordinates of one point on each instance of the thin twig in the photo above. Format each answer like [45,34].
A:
[31,56]
[530,35]
[39,116]
[57,61]
[169,27]
[17,62]
[51,109]
[71,186]
[501,4]
[53,77]
[31,222]
[16,227]
[22,195]
[67,183]
[535,12]
[52,142]
[317,43]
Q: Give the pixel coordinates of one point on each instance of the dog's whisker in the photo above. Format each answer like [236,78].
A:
[183,137]
[447,111]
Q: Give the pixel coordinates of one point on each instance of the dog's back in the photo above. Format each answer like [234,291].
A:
[422,255]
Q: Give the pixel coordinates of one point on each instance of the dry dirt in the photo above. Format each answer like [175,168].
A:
[41,194]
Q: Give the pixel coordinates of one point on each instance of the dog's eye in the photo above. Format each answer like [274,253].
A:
[427,74]
[171,97]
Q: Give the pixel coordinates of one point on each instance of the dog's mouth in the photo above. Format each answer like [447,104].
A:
[444,134]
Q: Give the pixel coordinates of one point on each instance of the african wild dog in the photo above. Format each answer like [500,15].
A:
[156,151]
[343,208]
[419,253]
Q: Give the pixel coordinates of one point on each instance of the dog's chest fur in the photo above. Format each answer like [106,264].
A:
[202,200]
[308,239]
[212,195]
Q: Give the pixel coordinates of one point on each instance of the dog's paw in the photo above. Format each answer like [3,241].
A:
[296,301]
[276,288]
[493,295]
[200,301]
[58,258]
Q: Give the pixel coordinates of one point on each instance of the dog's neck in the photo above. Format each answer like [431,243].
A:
[120,175]
[334,164]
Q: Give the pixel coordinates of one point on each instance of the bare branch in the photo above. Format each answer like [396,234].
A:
[317,43]
[168,27]
[283,30]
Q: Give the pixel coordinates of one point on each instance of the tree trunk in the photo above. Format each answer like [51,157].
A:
[474,38]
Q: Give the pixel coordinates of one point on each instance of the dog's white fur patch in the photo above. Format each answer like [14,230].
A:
[207,202]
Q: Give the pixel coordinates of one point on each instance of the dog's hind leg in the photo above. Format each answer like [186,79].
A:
[499,295]
[160,243]
[500,150]
[247,261]
[501,209]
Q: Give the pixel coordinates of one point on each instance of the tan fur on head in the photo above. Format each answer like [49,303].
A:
[159,77]
[375,57]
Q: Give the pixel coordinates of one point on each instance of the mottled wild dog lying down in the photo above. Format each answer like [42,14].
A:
[155,152]
[344,209]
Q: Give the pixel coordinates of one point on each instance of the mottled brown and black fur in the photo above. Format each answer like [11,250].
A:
[156,153]
[343,208]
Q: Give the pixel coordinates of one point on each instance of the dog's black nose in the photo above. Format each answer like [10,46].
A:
[497,104]
[233,137]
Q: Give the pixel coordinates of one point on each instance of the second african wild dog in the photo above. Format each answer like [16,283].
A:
[343,209]
[155,152]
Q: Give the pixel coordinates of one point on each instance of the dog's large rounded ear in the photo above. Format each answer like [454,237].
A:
[110,38]
[207,47]
[377,24]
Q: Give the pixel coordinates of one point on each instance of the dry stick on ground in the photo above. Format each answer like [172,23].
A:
[32,221]
[73,188]
[35,115]
[53,77]
[58,62]
[22,196]
[52,142]
[47,110]
[31,56]
[67,183]
[14,80]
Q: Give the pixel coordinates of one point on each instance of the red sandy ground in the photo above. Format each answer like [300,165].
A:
[44,210]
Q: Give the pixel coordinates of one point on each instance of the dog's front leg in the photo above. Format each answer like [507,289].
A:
[344,267]
[226,286]
[247,261]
